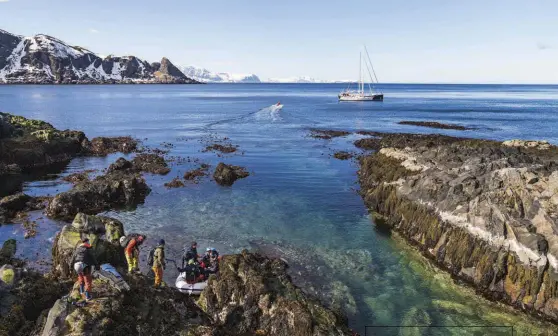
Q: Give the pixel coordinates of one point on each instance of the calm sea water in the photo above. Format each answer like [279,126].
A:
[297,198]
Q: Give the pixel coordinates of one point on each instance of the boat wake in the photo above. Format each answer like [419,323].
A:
[270,113]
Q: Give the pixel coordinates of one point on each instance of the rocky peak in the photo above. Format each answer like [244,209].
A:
[167,68]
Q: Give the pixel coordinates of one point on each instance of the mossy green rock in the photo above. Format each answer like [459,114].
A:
[7,275]
[253,293]
[9,249]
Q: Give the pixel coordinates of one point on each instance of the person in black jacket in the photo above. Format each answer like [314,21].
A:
[83,261]
[191,254]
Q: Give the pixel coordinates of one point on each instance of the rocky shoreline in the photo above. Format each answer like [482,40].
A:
[485,211]
[253,295]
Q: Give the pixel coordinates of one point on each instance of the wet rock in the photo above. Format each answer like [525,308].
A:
[103,234]
[327,134]
[102,146]
[343,155]
[433,124]
[226,175]
[196,173]
[254,293]
[117,189]
[120,164]
[150,163]
[14,205]
[8,250]
[78,177]
[28,144]
[482,210]
[175,183]
[226,148]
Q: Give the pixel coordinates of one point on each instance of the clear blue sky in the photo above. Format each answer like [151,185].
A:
[473,41]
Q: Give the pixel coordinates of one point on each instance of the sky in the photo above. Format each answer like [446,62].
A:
[426,41]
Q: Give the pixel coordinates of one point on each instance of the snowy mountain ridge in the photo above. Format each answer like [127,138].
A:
[207,76]
[204,75]
[43,59]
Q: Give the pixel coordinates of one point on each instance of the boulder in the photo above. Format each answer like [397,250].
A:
[7,275]
[253,294]
[102,146]
[114,190]
[166,312]
[104,242]
[8,250]
[150,163]
[226,175]
[26,301]
[120,164]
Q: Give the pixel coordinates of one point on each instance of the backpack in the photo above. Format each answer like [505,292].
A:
[124,240]
[150,257]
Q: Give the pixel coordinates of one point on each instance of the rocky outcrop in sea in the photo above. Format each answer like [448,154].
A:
[483,210]
[43,59]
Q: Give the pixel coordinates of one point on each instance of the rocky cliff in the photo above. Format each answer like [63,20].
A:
[43,59]
[483,210]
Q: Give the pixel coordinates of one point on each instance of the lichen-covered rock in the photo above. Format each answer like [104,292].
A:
[226,175]
[483,210]
[113,190]
[154,312]
[103,234]
[29,144]
[253,294]
[7,275]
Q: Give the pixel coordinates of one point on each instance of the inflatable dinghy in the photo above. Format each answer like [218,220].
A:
[189,287]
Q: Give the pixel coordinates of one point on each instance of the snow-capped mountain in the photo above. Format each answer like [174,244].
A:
[43,59]
[204,75]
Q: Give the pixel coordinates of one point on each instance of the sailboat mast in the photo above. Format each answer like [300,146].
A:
[360,72]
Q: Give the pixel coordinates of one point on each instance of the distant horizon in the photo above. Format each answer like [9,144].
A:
[428,42]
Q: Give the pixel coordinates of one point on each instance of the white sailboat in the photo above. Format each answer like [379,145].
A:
[360,94]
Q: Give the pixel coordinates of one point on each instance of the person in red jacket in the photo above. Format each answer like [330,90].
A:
[132,252]
[84,261]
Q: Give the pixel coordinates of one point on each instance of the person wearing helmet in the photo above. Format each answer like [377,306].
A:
[132,252]
[159,264]
[210,261]
[190,254]
[83,260]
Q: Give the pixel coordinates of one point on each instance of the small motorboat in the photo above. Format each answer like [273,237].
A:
[190,287]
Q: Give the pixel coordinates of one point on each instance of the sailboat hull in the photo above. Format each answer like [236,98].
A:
[353,97]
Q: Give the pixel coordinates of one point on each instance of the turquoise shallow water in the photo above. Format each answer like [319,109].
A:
[299,202]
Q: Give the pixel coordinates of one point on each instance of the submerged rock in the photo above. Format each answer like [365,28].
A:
[327,134]
[343,155]
[226,175]
[254,294]
[8,250]
[195,173]
[433,124]
[483,210]
[175,183]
